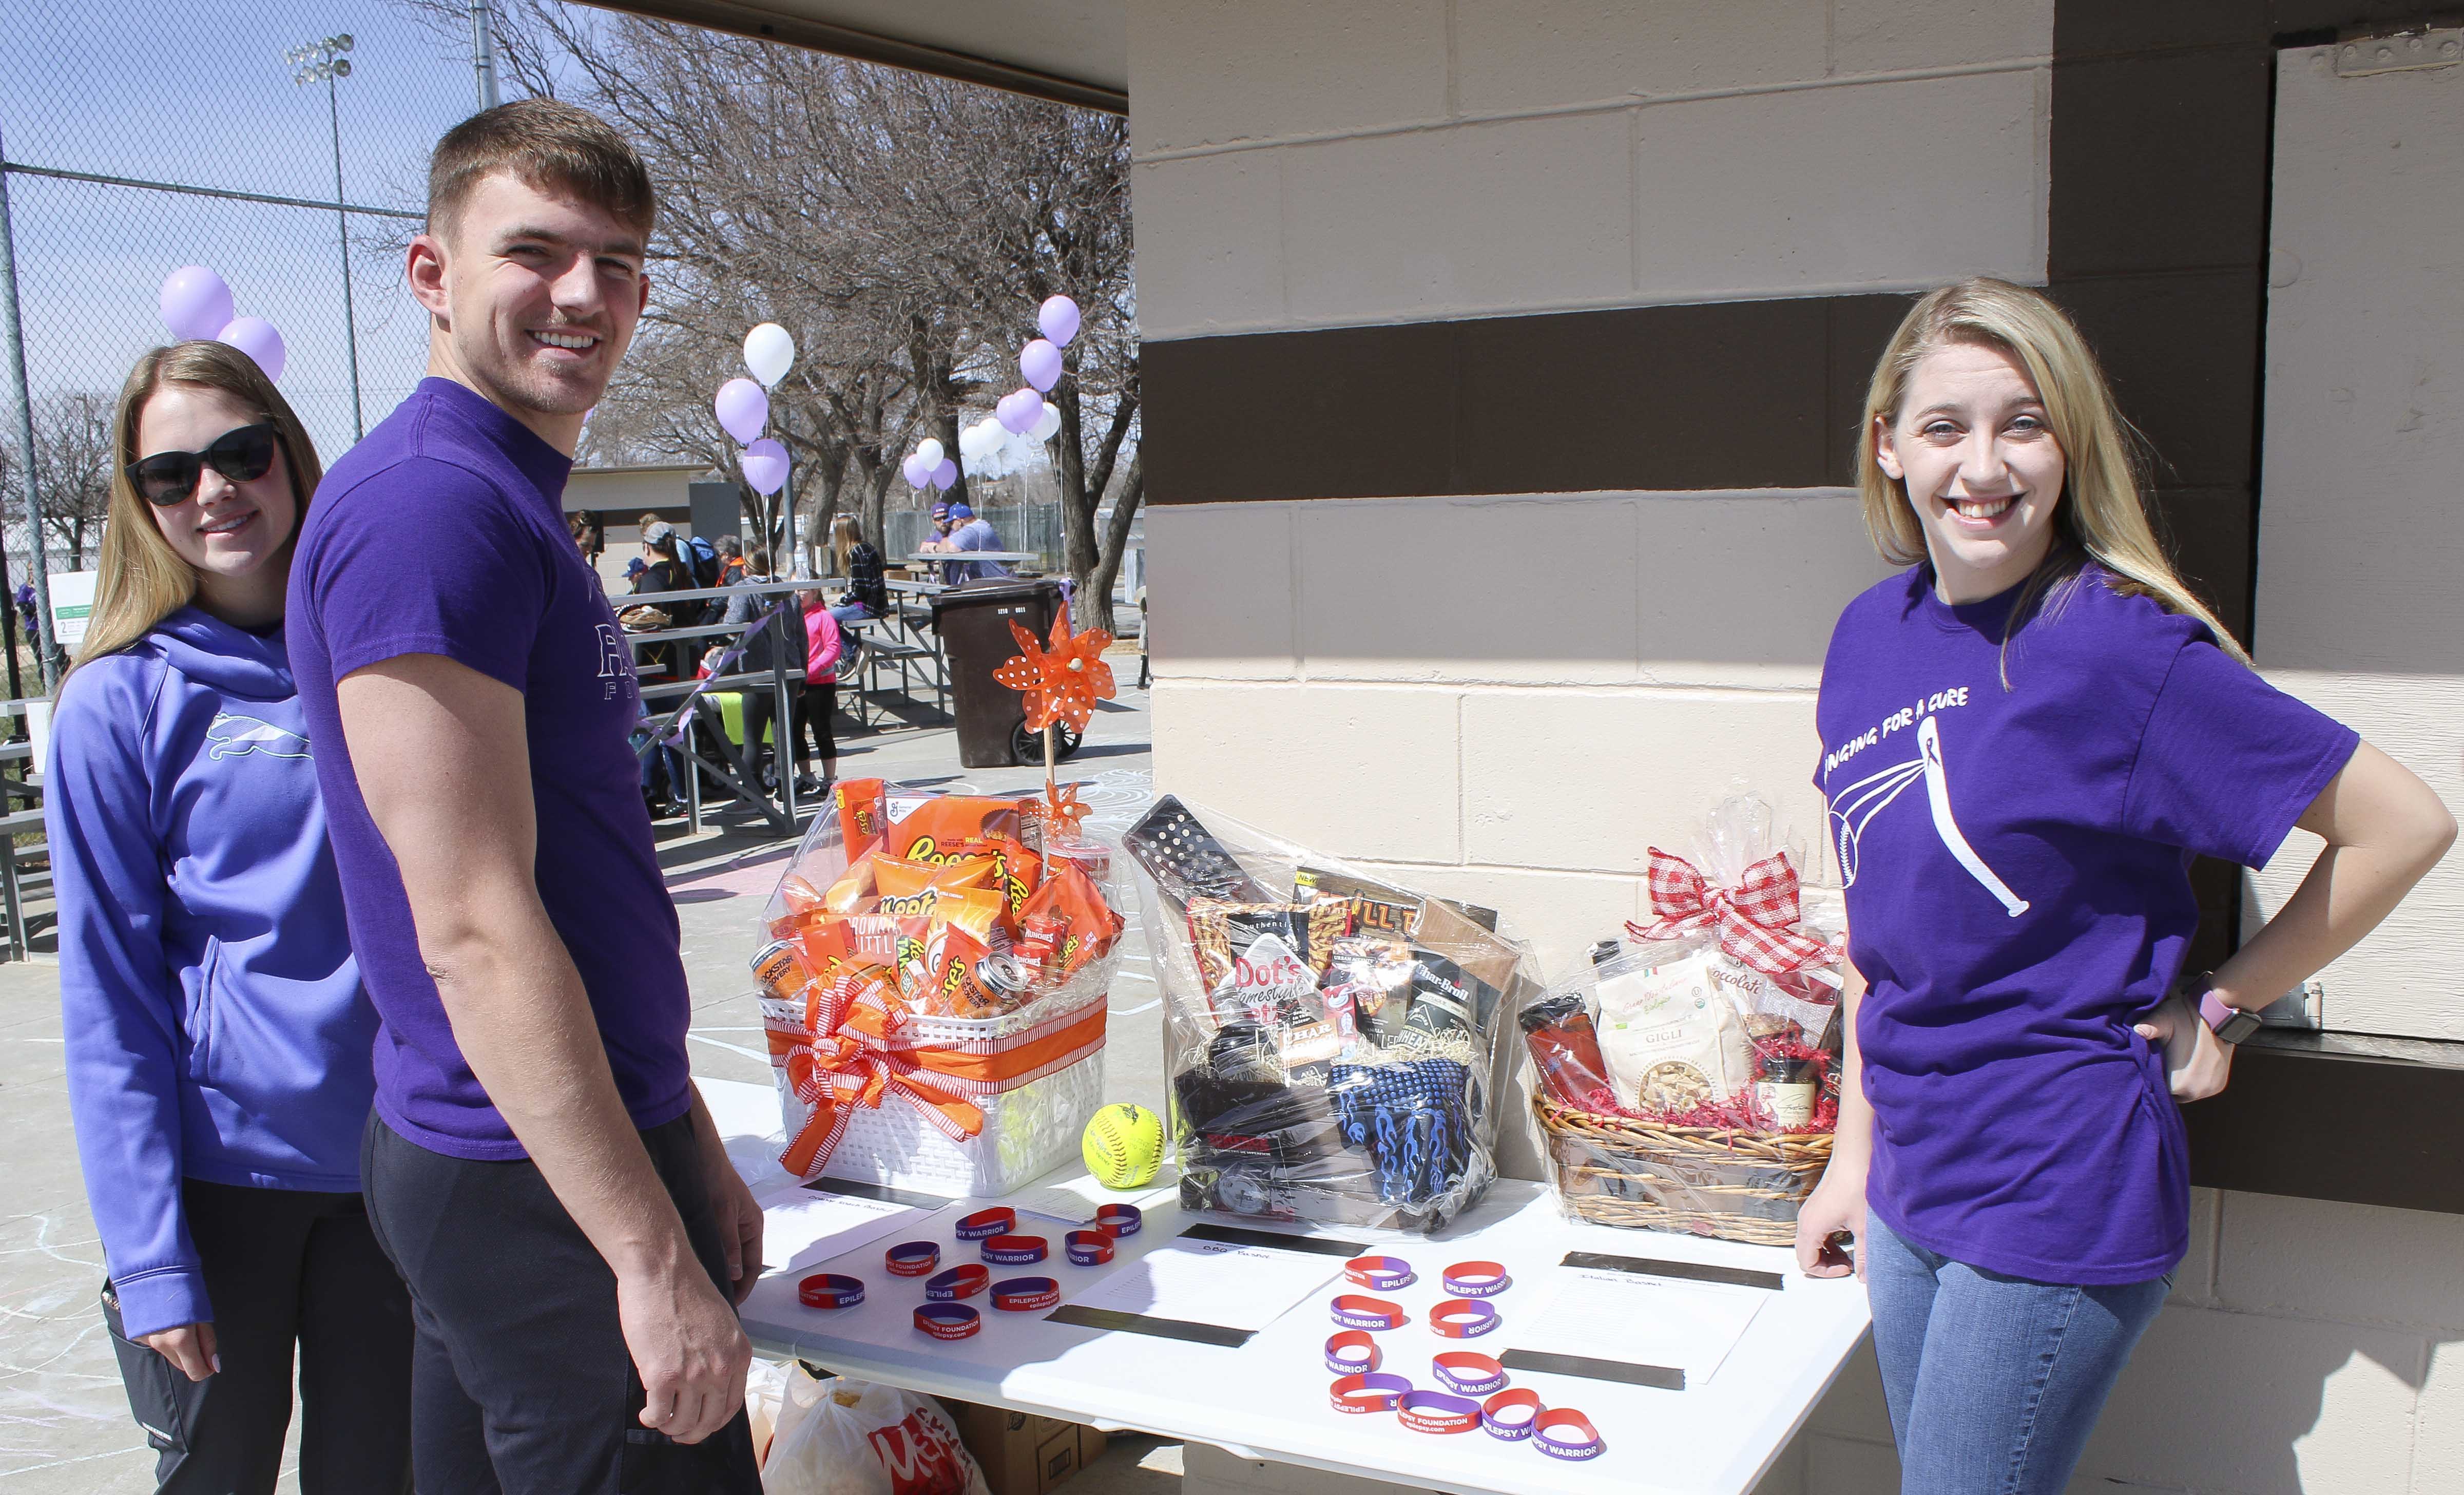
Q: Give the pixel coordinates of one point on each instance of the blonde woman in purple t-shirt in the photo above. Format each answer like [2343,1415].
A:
[2025,737]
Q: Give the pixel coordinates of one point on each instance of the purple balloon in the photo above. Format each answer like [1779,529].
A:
[1040,362]
[1018,411]
[765,466]
[744,409]
[196,303]
[1058,319]
[946,476]
[916,473]
[257,337]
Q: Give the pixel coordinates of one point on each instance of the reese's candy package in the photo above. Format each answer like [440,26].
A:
[800,903]
[908,887]
[926,832]
[853,894]
[1090,926]
[860,815]
[823,946]
[954,988]
[1017,871]
[977,910]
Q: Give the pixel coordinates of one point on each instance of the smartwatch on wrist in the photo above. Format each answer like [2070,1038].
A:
[2230,1023]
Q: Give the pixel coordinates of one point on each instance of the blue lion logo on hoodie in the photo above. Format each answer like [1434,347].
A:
[235,736]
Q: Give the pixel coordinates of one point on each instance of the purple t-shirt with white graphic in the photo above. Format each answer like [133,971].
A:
[2018,865]
[443,533]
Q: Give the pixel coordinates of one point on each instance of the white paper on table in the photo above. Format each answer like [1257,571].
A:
[1639,1320]
[1208,1282]
[802,1226]
[1074,1202]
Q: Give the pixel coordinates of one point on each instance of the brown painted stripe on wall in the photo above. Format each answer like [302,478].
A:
[1744,394]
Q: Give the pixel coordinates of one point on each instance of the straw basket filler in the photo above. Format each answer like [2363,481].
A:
[1731,1185]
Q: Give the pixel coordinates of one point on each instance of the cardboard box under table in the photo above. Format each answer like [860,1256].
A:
[1262,1393]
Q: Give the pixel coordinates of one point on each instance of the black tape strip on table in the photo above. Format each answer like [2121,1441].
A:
[1236,1235]
[1140,1324]
[1691,1271]
[878,1191]
[1660,1378]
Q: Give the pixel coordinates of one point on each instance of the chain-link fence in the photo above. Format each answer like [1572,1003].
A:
[1019,526]
[143,135]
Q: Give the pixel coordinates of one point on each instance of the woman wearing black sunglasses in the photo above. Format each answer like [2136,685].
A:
[219,1059]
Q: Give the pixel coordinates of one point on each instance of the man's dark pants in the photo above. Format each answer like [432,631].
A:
[521,1382]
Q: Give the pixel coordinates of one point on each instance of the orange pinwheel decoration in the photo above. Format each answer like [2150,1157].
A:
[1060,810]
[1062,682]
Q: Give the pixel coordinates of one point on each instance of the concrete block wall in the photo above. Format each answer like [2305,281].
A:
[1511,697]
[1314,165]
[1508,697]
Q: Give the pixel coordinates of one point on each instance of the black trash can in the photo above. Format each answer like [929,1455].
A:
[974,623]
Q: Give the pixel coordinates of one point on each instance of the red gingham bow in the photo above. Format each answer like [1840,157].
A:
[1757,919]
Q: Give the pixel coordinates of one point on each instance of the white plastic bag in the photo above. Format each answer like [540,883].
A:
[839,1437]
[765,1385]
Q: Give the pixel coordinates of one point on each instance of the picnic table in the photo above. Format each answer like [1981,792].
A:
[1267,1397]
[1005,557]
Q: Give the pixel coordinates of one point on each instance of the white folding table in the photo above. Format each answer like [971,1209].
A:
[1267,1399]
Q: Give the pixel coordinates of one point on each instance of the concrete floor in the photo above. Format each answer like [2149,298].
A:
[64,1422]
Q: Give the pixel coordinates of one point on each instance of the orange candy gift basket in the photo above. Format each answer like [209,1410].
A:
[934,970]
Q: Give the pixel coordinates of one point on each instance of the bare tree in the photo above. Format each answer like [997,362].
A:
[902,228]
[73,461]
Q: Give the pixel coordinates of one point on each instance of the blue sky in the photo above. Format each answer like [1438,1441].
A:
[199,93]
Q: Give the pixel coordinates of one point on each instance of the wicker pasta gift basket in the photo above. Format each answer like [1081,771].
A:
[1730,1182]
[1688,1081]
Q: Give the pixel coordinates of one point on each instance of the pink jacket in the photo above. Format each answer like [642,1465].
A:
[822,645]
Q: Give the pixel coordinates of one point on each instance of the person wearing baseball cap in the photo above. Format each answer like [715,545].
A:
[967,532]
[940,540]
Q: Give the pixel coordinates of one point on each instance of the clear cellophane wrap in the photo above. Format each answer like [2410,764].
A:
[1332,1039]
[934,976]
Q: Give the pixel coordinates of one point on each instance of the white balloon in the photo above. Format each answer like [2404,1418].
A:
[929,451]
[769,353]
[1046,425]
[971,440]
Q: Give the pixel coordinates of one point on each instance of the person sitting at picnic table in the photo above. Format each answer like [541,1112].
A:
[941,524]
[866,596]
[968,532]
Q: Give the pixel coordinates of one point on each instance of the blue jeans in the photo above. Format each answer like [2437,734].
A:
[1994,1382]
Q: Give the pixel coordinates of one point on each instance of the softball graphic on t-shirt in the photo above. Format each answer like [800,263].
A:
[1857,804]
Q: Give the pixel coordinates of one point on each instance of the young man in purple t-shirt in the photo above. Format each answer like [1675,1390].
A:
[538,1164]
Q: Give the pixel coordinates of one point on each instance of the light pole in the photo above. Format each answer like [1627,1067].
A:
[483,53]
[324,60]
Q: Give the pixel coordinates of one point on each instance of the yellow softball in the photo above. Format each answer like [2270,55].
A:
[1123,1145]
